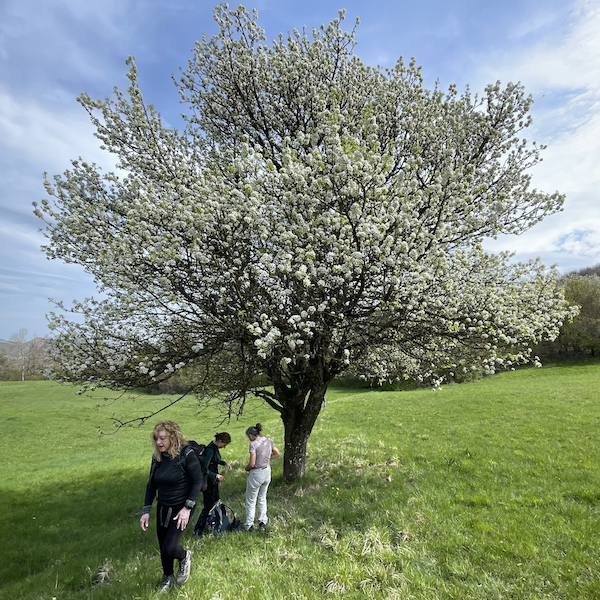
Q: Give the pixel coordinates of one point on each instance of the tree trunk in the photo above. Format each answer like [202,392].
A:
[299,418]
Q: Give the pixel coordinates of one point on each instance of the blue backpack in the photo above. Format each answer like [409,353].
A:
[221,519]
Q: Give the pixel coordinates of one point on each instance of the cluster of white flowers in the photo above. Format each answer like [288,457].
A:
[316,212]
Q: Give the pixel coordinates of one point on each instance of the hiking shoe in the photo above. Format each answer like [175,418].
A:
[185,566]
[166,584]
[262,527]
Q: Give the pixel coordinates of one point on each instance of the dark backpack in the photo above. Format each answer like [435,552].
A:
[221,519]
[199,452]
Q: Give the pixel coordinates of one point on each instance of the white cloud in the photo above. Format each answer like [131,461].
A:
[23,17]
[39,39]
[586,243]
[8,288]
[47,136]
[563,74]
[23,237]
[572,63]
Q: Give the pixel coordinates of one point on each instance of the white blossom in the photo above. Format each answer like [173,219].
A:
[316,215]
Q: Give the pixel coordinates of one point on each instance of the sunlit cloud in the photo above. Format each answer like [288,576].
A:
[43,135]
[564,76]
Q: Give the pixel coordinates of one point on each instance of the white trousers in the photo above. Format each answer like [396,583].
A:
[256,495]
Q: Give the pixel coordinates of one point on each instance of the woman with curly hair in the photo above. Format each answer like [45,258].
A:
[262,451]
[176,476]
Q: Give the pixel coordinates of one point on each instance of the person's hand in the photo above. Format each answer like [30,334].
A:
[220,478]
[182,518]
[144,522]
[228,466]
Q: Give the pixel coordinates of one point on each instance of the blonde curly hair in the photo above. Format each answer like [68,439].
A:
[174,434]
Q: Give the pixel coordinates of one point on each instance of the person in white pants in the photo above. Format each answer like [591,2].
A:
[262,452]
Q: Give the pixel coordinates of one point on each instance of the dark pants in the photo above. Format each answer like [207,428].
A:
[169,537]
[211,496]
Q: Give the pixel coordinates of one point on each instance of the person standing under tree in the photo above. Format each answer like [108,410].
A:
[212,460]
[176,475]
[262,451]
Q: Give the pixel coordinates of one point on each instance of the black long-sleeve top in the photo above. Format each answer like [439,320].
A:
[212,460]
[177,480]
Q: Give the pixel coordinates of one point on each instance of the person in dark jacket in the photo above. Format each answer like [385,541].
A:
[176,475]
[212,460]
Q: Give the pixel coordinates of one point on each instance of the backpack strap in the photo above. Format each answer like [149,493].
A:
[183,453]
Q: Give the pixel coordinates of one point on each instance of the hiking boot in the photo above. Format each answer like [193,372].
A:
[185,566]
[166,584]
[262,527]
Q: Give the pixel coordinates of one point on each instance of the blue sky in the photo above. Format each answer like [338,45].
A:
[52,50]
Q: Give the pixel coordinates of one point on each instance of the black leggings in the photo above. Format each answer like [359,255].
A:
[169,537]
[210,496]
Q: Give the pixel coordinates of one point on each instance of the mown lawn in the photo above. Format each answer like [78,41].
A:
[488,490]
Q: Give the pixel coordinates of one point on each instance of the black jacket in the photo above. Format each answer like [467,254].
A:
[176,480]
[212,459]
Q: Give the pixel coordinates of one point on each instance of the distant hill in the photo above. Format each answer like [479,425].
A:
[6,345]
[585,272]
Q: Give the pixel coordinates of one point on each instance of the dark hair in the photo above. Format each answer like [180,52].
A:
[223,437]
[254,429]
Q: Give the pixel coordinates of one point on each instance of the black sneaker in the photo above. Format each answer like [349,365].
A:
[249,529]
[262,527]
[185,566]
[166,584]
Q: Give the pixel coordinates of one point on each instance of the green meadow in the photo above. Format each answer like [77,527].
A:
[486,490]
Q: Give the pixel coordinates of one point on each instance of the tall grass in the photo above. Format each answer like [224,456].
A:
[487,490]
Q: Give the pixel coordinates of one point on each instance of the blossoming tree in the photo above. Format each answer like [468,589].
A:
[314,215]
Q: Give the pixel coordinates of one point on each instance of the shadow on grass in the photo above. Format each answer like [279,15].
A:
[66,533]
[62,539]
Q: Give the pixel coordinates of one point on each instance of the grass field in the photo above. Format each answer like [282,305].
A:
[487,490]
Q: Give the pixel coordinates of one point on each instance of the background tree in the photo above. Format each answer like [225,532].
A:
[37,359]
[18,351]
[314,214]
[4,366]
[582,334]
[25,359]
[585,272]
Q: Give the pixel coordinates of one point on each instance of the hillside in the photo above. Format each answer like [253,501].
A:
[477,491]
[7,345]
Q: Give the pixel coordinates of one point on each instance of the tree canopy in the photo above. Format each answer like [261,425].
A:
[313,216]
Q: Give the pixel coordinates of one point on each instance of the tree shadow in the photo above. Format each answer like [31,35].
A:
[67,531]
